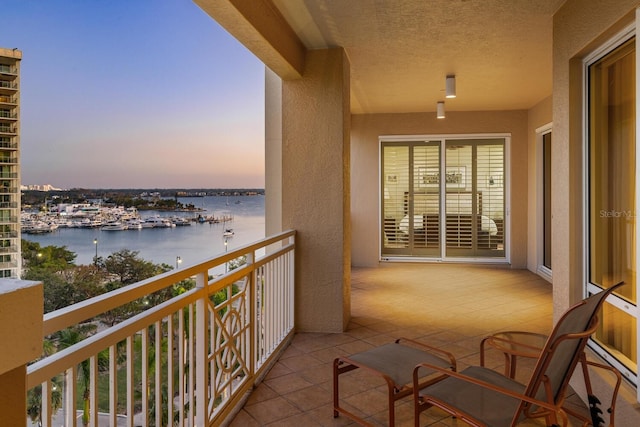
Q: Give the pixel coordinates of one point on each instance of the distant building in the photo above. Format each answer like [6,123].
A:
[38,187]
[10,258]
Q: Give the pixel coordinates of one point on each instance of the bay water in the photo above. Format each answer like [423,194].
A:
[191,244]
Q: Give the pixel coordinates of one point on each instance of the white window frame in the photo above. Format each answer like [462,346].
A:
[541,270]
[507,198]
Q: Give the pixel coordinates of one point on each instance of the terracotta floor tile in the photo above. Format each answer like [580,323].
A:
[287,383]
[271,410]
[444,305]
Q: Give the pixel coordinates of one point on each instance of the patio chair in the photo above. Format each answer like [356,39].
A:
[480,396]
[393,362]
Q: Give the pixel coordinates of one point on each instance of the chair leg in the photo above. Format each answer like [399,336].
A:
[594,410]
[336,392]
[392,405]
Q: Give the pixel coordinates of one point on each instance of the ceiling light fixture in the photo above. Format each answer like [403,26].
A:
[451,86]
[440,110]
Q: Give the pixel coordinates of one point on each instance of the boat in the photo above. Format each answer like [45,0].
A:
[228,232]
[179,221]
[90,223]
[38,227]
[133,224]
[157,222]
[113,226]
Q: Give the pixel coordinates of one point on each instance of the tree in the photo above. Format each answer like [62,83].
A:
[129,267]
[67,287]
[34,401]
[54,258]
[34,395]
[67,338]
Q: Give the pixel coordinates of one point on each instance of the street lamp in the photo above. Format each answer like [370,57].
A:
[225,250]
[95,259]
[178,261]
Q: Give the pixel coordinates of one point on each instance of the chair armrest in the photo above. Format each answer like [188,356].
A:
[431,349]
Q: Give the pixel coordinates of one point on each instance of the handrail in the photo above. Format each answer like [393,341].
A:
[206,354]
[87,309]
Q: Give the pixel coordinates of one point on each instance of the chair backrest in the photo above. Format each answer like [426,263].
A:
[563,348]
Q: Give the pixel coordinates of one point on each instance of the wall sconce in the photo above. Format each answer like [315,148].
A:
[440,110]
[450,87]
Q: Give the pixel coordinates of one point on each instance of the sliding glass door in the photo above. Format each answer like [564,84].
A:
[611,201]
[461,215]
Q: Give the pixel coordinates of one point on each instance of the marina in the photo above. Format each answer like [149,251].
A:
[158,236]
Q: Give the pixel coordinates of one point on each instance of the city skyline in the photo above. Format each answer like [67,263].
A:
[144,94]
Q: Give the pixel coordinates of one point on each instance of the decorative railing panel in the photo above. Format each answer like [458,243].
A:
[187,361]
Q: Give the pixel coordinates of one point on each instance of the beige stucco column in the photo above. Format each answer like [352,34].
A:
[21,337]
[313,176]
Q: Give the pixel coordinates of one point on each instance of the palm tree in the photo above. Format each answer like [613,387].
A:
[67,338]
[34,396]
[34,401]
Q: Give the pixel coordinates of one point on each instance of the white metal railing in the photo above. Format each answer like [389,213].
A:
[194,356]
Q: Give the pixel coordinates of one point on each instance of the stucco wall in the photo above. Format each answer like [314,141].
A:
[540,115]
[365,130]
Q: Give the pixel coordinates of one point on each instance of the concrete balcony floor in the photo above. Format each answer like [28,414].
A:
[445,305]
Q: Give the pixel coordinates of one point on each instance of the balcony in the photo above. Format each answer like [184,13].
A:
[8,85]
[8,129]
[8,69]
[8,145]
[8,234]
[7,99]
[7,114]
[8,249]
[247,340]
[7,190]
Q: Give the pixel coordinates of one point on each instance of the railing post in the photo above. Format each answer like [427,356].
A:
[251,315]
[202,354]
[21,334]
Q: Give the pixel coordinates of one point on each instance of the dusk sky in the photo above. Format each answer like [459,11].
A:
[134,94]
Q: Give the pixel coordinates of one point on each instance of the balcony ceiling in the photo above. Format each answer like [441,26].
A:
[401,50]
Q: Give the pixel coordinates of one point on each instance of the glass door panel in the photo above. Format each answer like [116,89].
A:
[490,195]
[395,183]
[475,198]
[546,154]
[410,202]
[612,197]
[426,200]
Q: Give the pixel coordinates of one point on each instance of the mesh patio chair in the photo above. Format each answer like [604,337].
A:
[480,396]
[393,362]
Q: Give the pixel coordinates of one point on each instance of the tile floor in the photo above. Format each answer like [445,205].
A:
[446,305]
